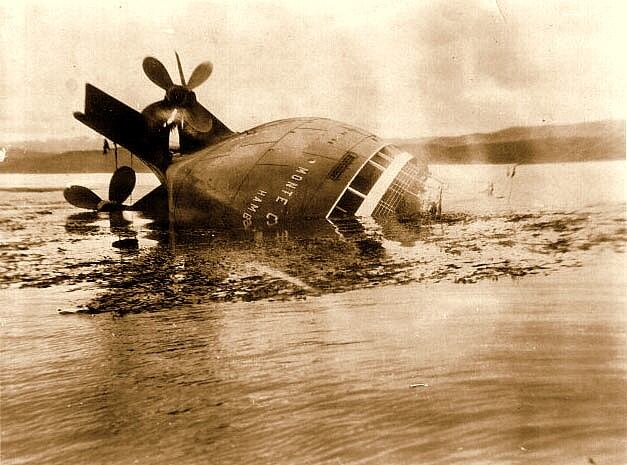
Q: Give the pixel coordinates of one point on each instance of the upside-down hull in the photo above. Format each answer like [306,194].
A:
[271,176]
[290,171]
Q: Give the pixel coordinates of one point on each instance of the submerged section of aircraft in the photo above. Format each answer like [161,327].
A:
[274,175]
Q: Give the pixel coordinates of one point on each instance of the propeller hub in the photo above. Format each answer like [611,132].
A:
[179,96]
[179,105]
[108,206]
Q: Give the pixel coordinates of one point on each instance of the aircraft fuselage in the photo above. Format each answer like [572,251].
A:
[289,171]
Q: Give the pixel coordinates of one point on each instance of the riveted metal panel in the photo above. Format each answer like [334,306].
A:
[272,175]
[279,195]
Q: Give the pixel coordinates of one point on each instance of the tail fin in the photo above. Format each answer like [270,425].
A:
[127,127]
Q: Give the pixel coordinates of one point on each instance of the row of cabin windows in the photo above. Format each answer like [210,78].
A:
[361,185]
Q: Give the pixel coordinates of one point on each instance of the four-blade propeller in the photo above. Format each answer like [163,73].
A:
[179,105]
[120,187]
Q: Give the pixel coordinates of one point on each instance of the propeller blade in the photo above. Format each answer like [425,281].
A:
[122,184]
[198,117]
[178,63]
[200,74]
[157,73]
[157,114]
[156,201]
[82,197]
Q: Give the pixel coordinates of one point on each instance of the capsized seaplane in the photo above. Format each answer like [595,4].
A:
[274,175]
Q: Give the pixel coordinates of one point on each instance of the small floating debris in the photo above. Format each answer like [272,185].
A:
[65,311]
[418,385]
[83,310]
[129,243]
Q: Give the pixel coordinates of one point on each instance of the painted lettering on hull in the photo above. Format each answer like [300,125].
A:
[282,197]
[290,187]
[253,206]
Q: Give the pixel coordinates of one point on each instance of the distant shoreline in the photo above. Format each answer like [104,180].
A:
[88,161]
[143,169]
[596,141]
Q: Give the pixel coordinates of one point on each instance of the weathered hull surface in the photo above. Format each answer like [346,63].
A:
[290,171]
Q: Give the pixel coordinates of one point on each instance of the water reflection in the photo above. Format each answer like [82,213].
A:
[504,374]
[85,223]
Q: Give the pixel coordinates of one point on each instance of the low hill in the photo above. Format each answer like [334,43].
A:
[56,144]
[601,140]
[78,161]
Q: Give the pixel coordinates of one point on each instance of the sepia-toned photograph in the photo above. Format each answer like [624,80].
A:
[280,232]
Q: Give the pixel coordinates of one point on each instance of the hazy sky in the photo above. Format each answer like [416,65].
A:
[395,68]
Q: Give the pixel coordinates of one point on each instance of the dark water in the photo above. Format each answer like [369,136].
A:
[494,336]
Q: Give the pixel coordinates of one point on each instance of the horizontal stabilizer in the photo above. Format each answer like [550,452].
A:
[125,126]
